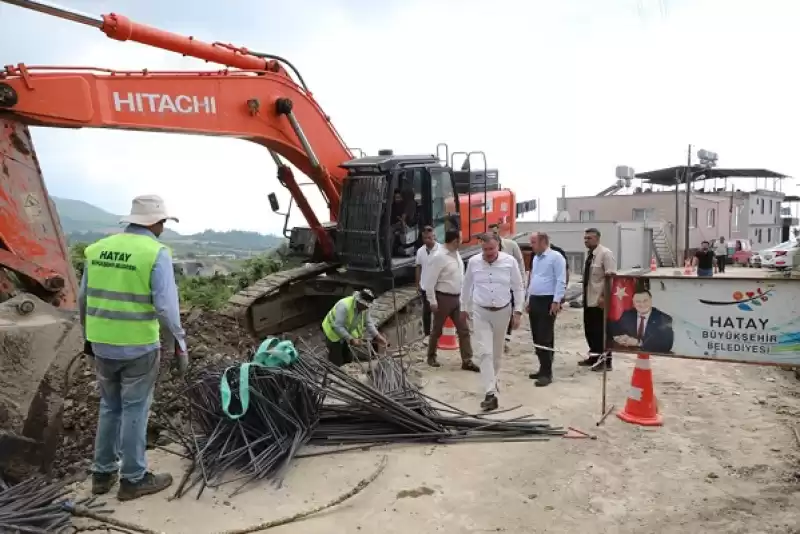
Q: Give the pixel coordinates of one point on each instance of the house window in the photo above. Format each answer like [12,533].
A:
[770,207]
[711,218]
[769,232]
[693,218]
[759,233]
[762,205]
[643,214]
[586,215]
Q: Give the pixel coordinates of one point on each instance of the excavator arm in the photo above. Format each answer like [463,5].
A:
[263,107]
[259,102]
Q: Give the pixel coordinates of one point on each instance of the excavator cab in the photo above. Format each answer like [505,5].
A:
[387,200]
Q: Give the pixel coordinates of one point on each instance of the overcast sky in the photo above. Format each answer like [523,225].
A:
[555,92]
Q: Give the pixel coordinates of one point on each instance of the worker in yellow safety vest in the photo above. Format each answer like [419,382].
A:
[127,293]
[347,323]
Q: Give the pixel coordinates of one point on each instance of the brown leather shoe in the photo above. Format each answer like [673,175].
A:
[469,366]
[489,403]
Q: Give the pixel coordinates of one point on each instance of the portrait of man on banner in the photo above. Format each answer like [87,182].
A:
[634,324]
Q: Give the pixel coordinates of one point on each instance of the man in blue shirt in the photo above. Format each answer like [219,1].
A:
[545,292]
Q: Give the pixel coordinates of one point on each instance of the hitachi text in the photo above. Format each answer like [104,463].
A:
[158,103]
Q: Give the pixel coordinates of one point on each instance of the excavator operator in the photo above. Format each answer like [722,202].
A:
[128,286]
[345,325]
[403,219]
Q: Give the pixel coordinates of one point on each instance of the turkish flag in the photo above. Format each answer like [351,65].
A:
[621,298]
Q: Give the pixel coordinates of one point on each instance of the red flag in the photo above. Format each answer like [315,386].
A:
[621,298]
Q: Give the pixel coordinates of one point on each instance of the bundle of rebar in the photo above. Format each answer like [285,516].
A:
[32,506]
[313,402]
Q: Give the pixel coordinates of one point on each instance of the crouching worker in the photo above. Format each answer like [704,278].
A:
[347,323]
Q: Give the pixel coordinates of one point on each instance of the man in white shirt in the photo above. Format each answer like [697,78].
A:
[721,253]
[443,278]
[490,281]
[509,246]
[424,255]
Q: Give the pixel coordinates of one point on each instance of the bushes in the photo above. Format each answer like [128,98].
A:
[212,292]
[208,292]
[76,257]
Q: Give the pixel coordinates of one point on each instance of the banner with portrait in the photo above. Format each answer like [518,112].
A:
[728,319]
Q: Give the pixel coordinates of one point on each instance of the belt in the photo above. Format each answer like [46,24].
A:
[495,308]
[448,294]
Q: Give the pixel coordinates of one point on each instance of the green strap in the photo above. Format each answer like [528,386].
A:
[271,353]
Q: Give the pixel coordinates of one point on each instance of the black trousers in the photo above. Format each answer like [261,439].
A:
[340,353]
[508,331]
[426,314]
[721,261]
[543,330]
[594,332]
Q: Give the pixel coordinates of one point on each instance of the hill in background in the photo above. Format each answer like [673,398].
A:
[84,222]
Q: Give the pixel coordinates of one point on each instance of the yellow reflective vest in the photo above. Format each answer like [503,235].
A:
[355,330]
[119,302]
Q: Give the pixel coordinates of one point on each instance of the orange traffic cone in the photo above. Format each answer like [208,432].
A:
[641,407]
[448,339]
[687,268]
[653,264]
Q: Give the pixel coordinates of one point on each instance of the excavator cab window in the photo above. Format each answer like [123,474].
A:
[443,202]
[405,215]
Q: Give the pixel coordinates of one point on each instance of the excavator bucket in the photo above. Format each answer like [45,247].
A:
[38,344]
[39,331]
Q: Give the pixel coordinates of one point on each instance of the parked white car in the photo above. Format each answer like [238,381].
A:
[781,256]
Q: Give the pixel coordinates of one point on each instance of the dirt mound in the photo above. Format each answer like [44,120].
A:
[213,340]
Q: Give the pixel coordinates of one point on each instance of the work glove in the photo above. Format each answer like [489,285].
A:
[181,364]
[89,353]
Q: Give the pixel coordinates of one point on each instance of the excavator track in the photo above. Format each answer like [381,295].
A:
[293,303]
[394,313]
[277,303]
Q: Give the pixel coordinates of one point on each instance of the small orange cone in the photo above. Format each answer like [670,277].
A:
[687,268]
[641,407]
[653,264]
[448,339]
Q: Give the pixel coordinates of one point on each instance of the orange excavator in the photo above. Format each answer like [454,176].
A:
[377,204]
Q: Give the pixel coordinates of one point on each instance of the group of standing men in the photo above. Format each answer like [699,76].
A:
[491,293]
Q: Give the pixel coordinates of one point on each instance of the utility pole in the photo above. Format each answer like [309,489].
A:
[676,230]
[687,178]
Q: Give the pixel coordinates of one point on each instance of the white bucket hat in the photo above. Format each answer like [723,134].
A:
[364,297]
[147,210]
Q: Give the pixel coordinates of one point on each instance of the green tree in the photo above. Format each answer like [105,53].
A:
[76,256]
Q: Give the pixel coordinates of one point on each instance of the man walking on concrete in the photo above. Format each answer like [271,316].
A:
[443,279]
[489,282]
[721,253]
[127,293]
[509,246]
[705,261]
[424,255]
[599,262]
[545,292]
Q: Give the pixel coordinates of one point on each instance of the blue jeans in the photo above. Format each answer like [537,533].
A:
[705,273]
[126,392]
